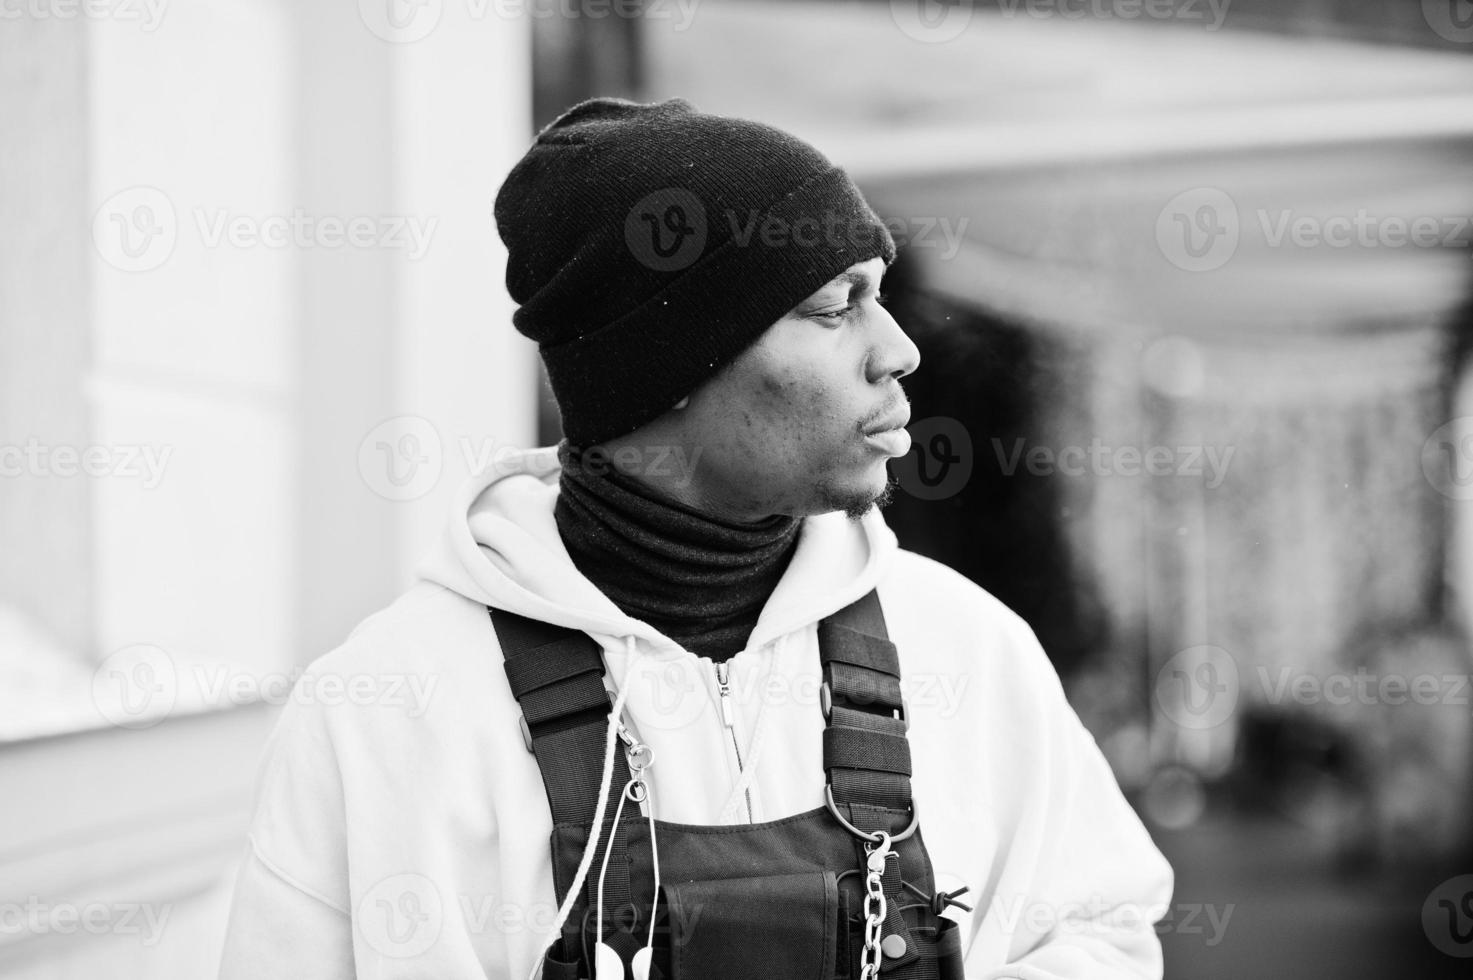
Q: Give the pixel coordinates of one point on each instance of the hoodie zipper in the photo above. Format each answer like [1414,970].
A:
[728,718]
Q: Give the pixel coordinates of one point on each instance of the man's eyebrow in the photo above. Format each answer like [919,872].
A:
[850,278]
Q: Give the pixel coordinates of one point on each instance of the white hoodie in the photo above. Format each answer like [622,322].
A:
[402,829]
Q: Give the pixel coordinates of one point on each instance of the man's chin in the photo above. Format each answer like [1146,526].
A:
[862,503]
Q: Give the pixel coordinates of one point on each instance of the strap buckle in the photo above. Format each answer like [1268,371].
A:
[609,701]
[826,705]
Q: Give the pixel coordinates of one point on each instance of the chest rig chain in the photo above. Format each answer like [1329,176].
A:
[841,892]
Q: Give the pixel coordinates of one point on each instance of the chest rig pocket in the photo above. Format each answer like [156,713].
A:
[790,899]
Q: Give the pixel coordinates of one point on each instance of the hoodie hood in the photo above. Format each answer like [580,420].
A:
[501,547]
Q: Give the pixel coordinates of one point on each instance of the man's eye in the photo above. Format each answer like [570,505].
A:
[850,310]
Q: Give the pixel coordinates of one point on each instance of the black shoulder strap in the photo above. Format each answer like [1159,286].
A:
[557,675]
[865,752]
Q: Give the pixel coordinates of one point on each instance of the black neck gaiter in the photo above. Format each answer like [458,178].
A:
[699,580]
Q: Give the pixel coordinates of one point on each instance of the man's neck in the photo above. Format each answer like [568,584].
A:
[699,579]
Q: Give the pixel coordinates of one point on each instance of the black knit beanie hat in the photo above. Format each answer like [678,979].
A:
[649,245]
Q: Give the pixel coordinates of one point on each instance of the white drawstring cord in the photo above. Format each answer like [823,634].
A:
[607,965]
[631,650]
[759,736]
[644,956]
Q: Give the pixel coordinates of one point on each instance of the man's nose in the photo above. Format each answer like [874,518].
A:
[893,354]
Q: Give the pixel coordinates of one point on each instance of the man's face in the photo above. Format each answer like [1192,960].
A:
[803,421]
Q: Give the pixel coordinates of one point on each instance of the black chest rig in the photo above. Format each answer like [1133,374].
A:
[789,899]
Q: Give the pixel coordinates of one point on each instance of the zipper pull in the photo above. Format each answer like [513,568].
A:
[723,673]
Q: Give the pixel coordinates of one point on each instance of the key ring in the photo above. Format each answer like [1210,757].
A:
[640,756]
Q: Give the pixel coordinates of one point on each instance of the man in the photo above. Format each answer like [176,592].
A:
[793,695]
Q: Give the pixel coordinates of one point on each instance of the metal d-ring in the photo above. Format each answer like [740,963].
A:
[876,836]
[641,757]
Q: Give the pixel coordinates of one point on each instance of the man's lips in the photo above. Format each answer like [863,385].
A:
[888,434]
[893,442]
[894,420]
